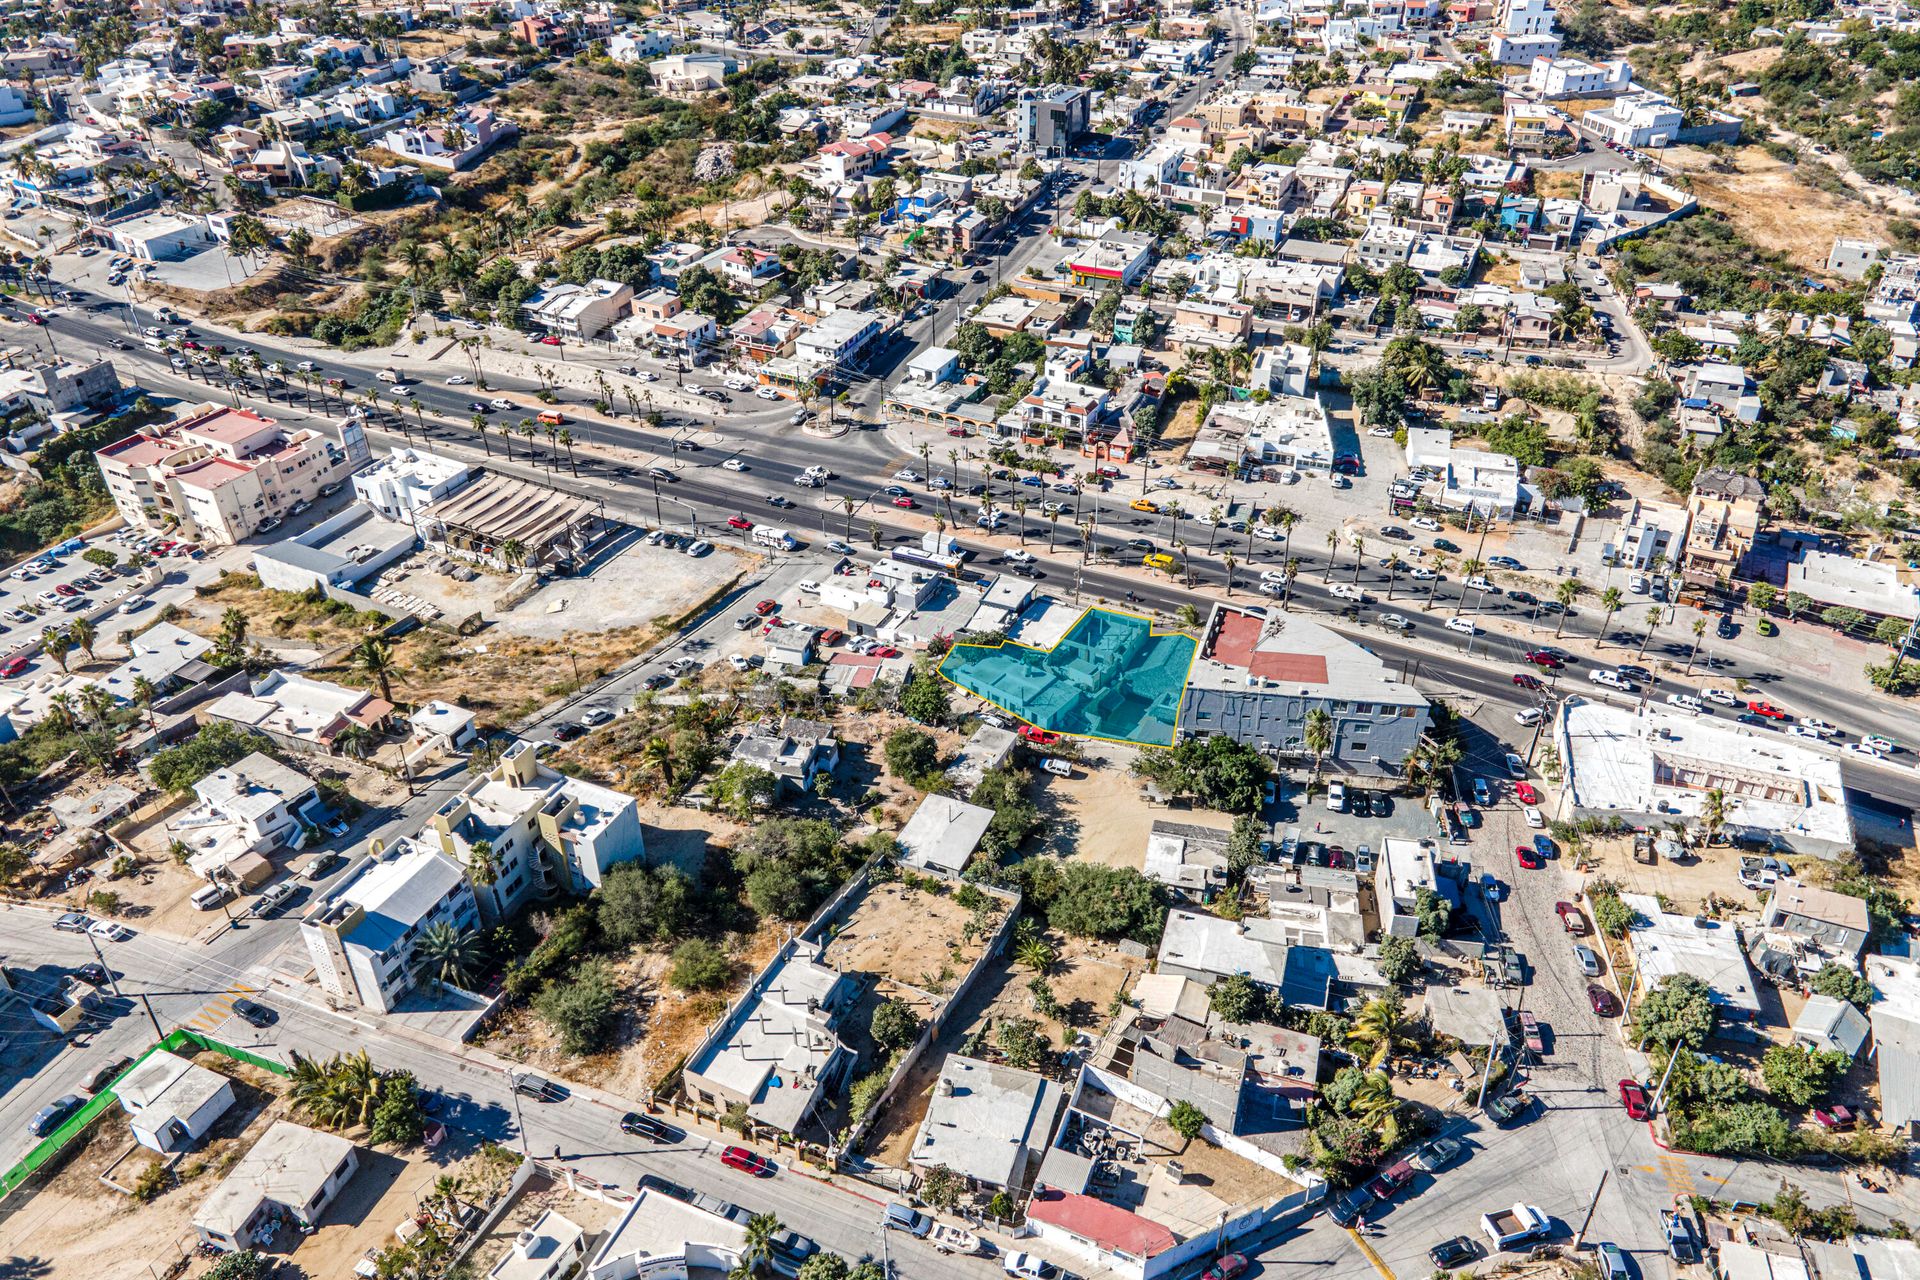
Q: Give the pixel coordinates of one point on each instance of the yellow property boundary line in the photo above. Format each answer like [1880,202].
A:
[1186,677]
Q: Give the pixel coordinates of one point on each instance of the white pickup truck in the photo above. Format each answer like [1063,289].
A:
[1511,1228]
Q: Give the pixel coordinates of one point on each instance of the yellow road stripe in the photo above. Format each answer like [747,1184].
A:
[1371,1256]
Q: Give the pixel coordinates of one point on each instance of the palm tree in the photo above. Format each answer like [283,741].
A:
[1382,1026]
[83,633]
[354,741]
[58,646]
[1333,549]
[1359,556]
[60,709]
[1374,1103]
[1566,593]
[1034,953]
[375,657]
[98,704]
[1653,620]
[1713,812]
[1230,560]
[480,425]
[143,696]
[1431,760]
[1213,526]
[1394,565]
[1610,600]
[1288,572]
[1319,737]
[311,1089]
[757,1250]
[850,505]
[233,629]
[657,755]
[1699,630]
[447,954]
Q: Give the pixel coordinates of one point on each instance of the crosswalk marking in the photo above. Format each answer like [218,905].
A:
[217,1010]
[1678,1173]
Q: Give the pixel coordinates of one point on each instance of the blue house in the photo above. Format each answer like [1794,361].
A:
[1519,213]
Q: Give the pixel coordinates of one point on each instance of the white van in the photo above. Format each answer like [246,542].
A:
[387,375]
[768,536]
[210,897]
[155,344]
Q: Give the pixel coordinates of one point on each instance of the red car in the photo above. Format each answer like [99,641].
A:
[1576,924]
[1541,658]
[832,635]
[907,504]
[1602,1000]
[62,589]
[1634,1099]
[1225,1267]
[766,607]
[34,317]
[739,522]
[1528,858]
[191,345]
[959,432]
[1768,710]
[886,651]
[1526,681]
[1038,737]
[747,1162]
[14,665]
[549,341]
[1524,792]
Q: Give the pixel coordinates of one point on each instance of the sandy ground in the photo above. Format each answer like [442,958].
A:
[1687,886]
[1773,208]
[909,937]
[1101,814]
[1085,979]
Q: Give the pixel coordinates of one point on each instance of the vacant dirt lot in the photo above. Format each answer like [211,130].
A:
[1773,207]
[1100,814]
[908,937]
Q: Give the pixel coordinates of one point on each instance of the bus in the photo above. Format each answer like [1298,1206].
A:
[952,565]
[548,418]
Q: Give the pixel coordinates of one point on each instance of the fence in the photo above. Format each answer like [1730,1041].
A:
[56,1142]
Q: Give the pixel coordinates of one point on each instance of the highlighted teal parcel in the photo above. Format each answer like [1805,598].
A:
[1111,676]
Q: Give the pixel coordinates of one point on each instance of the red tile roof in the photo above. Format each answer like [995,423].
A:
[1240,632]
[1107,1225]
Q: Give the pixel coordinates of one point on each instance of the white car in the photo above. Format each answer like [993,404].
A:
[807,586]
[907,475]
[1478,582]
[1021,557]
[1533,817]
[1801,731]
[1383,433]
[1057,767]
[1686,702]
[817,473]
[737,383]
[109,930]
[501,403]
[1029,1266]
[1637,584]
[733,464]
[1530,716]
[700,548]
[457,380]
[306,366]
[1463,626]
[1347,591]
[1421,575]
[1428,523]
[1397,621]
[647,375]
[1822,728]
[1878,743]
[1862,749]
[1268,533]
[767,393]
[1722,696]
[738,661]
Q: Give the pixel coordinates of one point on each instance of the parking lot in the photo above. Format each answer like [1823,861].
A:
[59,584]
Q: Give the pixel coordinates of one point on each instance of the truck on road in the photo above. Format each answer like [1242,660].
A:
[1511,1228]
[768,536]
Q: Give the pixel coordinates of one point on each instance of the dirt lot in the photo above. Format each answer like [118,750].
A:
[1771,206]
[78,1227]
[914,939]
[497,674]
[1086,978]
[658,1026]
[1101,814]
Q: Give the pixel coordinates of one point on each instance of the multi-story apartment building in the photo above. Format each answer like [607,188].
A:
[364,935]
[219,474]
[541,832]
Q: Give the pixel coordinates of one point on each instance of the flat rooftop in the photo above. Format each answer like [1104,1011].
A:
[1284,651]
[1665,762]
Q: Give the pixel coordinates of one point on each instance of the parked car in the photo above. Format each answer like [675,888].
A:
[1028,1266]
[645,1126]
[54,1114]
[1225,1267]
[1452,1253]
[747,1162]
[1602,1000]
[1633,1096]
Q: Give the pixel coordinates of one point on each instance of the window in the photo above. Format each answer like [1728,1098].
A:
[1356,746]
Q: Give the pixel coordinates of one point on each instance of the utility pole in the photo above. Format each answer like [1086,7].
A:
[518,1119]
[108,969]
[1672,1057]
[1485,1079]
[1592,1204]
[148,1006]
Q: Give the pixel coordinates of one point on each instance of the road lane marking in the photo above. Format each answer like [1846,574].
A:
[217,1010]
[1367,1249]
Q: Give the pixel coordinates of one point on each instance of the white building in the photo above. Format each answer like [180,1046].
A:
[1665,944]
[255,805]
[579,310]
[170,1102]
[548,1250]
[543,831]
[1526,32]
[1878,588]
[302,713]
[838,339]
[943,834]
[1655,768]
[291,1175]
[660,1237]
[987,1122]
[408,479]
[363,934]
[1578,78]
[158,237]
